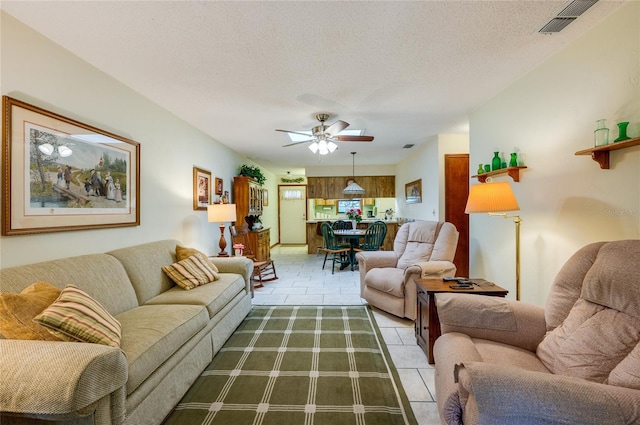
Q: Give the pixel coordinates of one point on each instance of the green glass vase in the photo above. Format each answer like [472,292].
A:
[513,162]
[480,169]
[496,161]
[622,132]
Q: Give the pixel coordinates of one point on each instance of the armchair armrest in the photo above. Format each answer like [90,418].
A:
[510,395]
[433,269]
[238,265]
[368,260]
[49,378]
[492,318]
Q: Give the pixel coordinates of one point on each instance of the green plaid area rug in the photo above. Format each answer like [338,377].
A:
[287,365]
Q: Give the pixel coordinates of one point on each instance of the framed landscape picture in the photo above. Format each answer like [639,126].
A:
[61,174]
[201,189]
[413,192]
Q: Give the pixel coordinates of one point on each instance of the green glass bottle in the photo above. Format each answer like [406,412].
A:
[495,162]
[480,169]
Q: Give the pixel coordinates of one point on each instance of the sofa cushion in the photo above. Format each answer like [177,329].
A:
[143,264]
[152,333]
[214,297]
[99,275]
[75,316]
[183,253]
[191,272]
[387,280]
[18,310]
[421,235]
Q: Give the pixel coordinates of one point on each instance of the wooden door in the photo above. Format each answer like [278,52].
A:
[456,192]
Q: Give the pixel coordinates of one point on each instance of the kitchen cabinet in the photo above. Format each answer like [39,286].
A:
[331,187]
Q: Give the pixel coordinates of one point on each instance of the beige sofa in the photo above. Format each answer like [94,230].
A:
[420,249]
[169,336]
[577,361]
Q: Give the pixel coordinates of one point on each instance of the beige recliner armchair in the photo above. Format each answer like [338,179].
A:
[576,361]
[420,249]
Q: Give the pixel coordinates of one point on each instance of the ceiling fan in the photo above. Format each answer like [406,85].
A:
[322,137]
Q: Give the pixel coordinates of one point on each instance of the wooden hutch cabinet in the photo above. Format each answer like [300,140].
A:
[248,197]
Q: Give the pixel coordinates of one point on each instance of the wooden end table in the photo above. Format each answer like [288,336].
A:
[427,325]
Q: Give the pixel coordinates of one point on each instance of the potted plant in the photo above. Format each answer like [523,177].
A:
[252,171]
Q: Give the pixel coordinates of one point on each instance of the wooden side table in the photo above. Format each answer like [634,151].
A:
[427,325]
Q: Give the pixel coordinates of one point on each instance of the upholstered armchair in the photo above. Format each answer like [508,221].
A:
[575,361]
[421,249]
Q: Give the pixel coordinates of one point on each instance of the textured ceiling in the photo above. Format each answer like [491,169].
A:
[405,71]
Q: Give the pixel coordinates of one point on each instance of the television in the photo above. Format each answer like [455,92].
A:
[345,205]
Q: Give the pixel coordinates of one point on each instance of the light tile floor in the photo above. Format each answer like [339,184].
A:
[302,281]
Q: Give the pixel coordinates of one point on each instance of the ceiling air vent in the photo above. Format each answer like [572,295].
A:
[408,146]
[567,15]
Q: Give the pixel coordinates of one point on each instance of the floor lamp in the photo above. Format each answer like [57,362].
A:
[497,198]
[221,213]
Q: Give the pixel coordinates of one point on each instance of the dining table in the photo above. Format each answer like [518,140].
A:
[353,236]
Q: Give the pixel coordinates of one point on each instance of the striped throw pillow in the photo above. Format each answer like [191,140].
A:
[191,272]
[184,252]
[75,316]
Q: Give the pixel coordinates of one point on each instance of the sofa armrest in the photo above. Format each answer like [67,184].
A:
[510,395]
[492,318]
[238,265]
[61,378]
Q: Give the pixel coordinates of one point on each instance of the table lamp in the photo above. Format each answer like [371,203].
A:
[496,198]
[221,213]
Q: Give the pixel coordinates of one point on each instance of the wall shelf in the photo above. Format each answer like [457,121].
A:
[600,154]
[513,172]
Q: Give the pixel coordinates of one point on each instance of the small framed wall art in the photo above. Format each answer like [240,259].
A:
[413,192]
[60,174]
[265,197]
[218,186]
[201,189]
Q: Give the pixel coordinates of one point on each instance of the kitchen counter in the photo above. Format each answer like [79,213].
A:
[315,241]
[364,220]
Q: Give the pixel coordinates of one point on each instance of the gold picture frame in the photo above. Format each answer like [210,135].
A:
[62,175]
[413,192]
[201,189]
[265,198]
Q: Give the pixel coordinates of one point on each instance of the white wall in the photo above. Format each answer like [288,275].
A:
[39,72]
[427,163]
[566,201]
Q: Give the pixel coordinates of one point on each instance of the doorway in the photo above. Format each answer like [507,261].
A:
[292,214]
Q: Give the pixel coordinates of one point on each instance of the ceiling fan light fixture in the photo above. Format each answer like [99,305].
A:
[332,147]
[313,147]
[353,188]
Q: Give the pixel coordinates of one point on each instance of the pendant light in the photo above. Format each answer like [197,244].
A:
[353,188]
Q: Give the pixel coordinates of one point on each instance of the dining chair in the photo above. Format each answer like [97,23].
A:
[263,270]
[339,251]
[342,225]
[374,237]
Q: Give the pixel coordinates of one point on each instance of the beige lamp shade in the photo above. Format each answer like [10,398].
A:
[221,213]
[490,198]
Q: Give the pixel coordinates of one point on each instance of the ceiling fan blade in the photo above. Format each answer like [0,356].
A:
[354,138]
[336,128]
[295,132]
[298,143]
